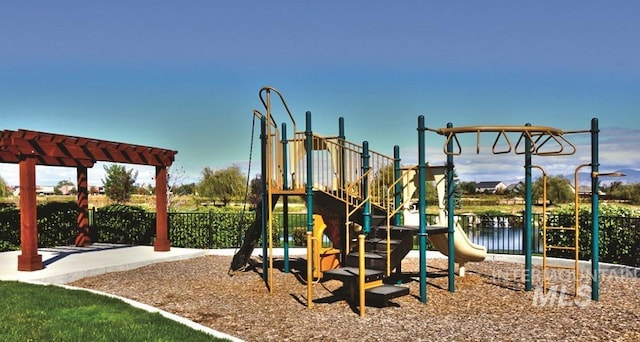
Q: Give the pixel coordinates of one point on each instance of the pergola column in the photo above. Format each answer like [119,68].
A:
[29,260]
[162,232]
[82,238]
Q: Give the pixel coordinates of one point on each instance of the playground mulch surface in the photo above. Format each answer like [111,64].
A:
[489,303]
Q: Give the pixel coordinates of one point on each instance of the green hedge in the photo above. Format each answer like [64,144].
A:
[619,239]
[56,225]
[619,229]
[9,229]
[125,224]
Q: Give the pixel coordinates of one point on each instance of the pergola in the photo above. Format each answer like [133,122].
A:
[31,148]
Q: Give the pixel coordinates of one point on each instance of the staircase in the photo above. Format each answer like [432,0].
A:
[378,291]
[343,179]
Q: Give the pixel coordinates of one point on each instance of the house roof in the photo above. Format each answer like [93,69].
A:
[491,184]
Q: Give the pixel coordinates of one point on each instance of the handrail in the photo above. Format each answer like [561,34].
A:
[267,103]
[391,213]
[348,213]
[259,115]
[344,173]
[347,194]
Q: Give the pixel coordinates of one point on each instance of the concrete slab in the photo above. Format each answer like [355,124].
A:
[68,263]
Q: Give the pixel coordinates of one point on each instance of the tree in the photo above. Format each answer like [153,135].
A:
[380,182]
[255,191]
[176,191]
[184,189]
[468,188]
[119,182]
[67,186]
[225,184]
[558,190]
[4,190]
[457,191]
[432,194]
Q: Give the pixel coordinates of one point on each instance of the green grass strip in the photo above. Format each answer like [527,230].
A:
[51,313]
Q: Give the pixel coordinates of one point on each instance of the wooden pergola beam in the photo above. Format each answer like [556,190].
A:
[122,153]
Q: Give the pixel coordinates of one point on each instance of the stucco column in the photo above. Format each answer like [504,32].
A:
[82,238]
[29,260]
[162,231]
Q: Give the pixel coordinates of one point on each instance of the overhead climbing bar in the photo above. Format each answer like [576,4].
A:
[544,140]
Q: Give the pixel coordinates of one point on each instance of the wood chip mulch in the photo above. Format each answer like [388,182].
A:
[489,303]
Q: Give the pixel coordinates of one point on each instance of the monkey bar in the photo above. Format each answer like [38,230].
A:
[531,141]
[538,136]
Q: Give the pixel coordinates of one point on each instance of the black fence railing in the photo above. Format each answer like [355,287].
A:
[619,236]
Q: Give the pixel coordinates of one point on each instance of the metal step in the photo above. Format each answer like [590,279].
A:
[380,295]
[432,230]
[351,274]
[373,260]
[380,244]
[396,232]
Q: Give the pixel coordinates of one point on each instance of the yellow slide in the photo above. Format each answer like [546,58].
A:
[464,250]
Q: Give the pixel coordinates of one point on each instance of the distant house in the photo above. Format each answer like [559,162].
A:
[516,188]
[490,187]
[45,190]
[585,190]
[67,189]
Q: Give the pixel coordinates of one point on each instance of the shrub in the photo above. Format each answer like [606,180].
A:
[619,234]
[121,223]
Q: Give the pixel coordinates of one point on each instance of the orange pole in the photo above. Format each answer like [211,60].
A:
[162,232]
[29,260]
[309,270]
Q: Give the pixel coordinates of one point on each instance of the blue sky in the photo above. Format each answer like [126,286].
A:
[185,75]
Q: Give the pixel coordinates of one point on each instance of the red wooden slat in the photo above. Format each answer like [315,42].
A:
[51,147]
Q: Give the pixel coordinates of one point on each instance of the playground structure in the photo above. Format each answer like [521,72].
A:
[358,199]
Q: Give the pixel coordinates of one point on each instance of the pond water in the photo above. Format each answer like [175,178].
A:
[503,239]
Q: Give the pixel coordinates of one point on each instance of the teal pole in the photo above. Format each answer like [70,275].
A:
[265,195]
[527,214]
[595,220]
[422,231]
[397,173]
[285,199]
[308,144]
[450,213]
[397,198]
[366,214]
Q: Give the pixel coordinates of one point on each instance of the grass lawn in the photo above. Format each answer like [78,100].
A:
[51,313]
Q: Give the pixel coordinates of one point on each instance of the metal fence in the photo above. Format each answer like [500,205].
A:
[226,230]
[619,236]
[502,234]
